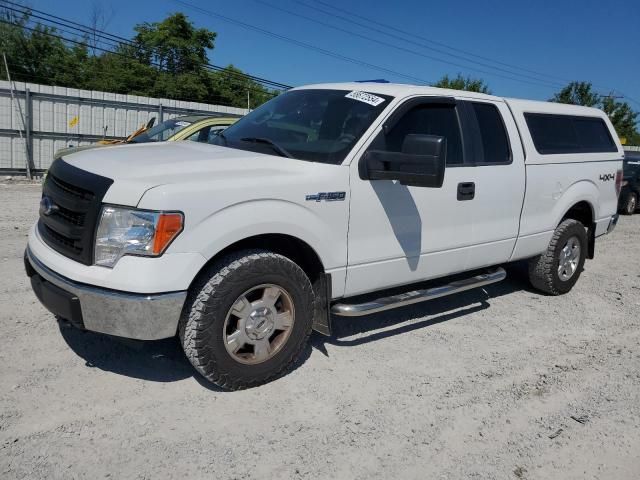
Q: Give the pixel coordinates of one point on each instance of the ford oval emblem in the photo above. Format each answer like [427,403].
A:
[47,207]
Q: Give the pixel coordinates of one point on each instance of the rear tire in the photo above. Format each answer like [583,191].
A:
[557,270]
[630,204]
[247,319]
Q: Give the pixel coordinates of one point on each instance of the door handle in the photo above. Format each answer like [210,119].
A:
[466,191]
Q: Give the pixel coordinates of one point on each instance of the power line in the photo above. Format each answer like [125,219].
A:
[414,35]
[428,40]
[533,80]
[116,39]
[298,42]
[76,42]
[123,41]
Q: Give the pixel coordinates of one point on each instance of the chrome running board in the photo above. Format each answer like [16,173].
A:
[416,296]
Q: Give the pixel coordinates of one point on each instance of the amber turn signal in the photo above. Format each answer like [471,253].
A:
[168,227]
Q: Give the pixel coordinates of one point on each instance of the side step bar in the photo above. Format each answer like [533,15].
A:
[416,296]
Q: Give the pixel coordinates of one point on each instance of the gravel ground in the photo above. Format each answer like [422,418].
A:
[495,383]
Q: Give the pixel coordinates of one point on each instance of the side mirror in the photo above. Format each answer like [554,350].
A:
[150,123]
[420,164]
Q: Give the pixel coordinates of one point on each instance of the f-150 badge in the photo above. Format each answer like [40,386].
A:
[326,196]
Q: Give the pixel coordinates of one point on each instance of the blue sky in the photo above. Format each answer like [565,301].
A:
[570,39]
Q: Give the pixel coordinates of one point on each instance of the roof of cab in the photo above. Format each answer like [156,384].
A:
[398,89]
[402,90]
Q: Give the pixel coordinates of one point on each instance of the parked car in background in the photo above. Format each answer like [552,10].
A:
[198,128]
[630,193]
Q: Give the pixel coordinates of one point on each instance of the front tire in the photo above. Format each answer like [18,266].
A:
[247,319]
[557,270]
[630,204]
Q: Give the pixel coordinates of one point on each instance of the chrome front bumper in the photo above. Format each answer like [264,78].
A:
[130,315]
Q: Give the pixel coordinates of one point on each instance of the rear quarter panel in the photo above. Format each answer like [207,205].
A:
[557,182]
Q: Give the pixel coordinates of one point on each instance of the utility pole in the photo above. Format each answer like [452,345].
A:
[24,125]
[248,102]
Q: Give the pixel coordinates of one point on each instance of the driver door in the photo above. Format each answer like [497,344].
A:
[401,234]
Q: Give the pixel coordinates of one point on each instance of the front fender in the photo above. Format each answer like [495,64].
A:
[257,217]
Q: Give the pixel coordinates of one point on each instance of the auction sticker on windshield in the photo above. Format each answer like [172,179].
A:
[365,97]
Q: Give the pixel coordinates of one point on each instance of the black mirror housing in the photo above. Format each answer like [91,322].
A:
[420,164]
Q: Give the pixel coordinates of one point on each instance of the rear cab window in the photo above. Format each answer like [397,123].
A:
[557,134]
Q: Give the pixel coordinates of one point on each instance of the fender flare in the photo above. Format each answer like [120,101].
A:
[581,191]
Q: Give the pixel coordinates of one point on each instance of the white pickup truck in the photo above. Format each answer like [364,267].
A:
[329,199]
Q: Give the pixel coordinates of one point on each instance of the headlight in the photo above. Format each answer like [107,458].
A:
[128,231]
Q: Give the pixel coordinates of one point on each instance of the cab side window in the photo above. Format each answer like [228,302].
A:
[427,119]
[493,136]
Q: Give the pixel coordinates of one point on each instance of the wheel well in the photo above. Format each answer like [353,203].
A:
[291,247]
[303,255]
[583,213]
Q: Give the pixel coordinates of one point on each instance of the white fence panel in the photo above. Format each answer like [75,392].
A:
[57,117]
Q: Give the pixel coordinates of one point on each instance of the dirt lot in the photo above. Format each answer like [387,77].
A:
[473,386]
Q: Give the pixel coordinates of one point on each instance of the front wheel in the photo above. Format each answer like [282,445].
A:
[557,270]
[248,319]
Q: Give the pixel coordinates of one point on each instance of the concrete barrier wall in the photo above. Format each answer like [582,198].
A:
[57,117]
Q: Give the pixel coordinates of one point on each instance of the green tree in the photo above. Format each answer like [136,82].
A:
[174,44]
[166,59]
[634,139]
[621,114]
[34,55]
[463,83]
[118,73]
[577,93]
[231,87]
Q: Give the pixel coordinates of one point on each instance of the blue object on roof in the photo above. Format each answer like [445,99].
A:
[377,80]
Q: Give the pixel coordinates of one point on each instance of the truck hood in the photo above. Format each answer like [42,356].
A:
[138,168]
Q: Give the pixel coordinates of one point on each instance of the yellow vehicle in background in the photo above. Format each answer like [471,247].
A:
[197,128]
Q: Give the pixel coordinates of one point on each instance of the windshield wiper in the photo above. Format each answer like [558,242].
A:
[281,151]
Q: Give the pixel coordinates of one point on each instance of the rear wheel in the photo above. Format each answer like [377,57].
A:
[630,204]
[248,319]
[557,270]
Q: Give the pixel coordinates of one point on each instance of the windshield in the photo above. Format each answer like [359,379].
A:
[161,132]
[315,125]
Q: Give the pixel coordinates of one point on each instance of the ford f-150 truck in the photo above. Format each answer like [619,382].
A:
[338,199]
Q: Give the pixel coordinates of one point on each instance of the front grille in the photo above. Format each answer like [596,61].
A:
[61,241]
[70,216]
[71,189]
[75,196]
